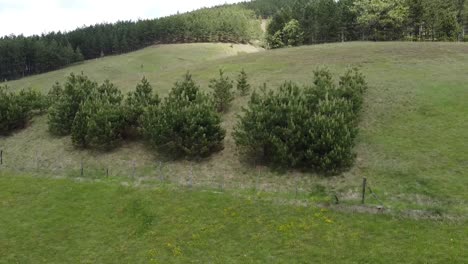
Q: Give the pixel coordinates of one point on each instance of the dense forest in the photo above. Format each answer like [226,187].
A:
[265,8]
[21,56]
[319,21]
[292,23]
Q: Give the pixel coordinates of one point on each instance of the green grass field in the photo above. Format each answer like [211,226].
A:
[412,145]
[412,148]
[61,221]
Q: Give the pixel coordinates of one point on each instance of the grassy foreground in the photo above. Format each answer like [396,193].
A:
[412,146]
[64,221]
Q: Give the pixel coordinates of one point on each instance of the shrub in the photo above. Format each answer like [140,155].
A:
[17,108]
[242,85]
[292,33]
[79,128]
[98,124]
[275,41]
[62,112]
[186,123]
[91,113]
[99,121]
[322,87]
[109,92]
[352,87]
[271,125]
[187,90]
[13,112]
[312,127]
[222,92]
[105,125]
[55,94]
[60,117]
[137,101]
[331,136]
[34,99]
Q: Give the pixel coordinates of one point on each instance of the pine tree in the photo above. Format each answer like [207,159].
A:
[68,54]
[100,121]
[187,89]
[62,112]
[124,44]
[105,124]
[78,55]
[55,93]
[79,128]
[223,93]
[311,127]
[115,44]
[186,123]
[110,92]
[242,85]
[15,109]
[138,100]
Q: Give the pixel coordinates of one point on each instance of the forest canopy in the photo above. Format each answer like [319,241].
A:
[21,56]
[321,21]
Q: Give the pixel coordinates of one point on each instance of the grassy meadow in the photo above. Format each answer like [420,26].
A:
[63,221]
[412,148]
[412,145]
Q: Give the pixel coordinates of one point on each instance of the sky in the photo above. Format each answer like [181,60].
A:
[30,17]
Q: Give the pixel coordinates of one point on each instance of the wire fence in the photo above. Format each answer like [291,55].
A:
[258,182]
[361,197]
[132,172]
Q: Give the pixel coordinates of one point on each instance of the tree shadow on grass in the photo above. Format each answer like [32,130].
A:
[255,160]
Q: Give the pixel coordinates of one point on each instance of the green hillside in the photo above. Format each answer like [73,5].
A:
[412,145]
[60,221]
[154,62]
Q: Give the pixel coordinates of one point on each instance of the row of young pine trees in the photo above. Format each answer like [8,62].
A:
[312,126]
[186,123]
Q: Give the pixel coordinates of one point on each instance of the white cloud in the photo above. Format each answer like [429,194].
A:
[35,17]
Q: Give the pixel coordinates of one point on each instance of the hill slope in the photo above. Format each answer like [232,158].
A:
[412,146]
[154,62]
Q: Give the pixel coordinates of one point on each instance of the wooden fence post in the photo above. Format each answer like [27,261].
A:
[37,160]
[223,183]
[297,187]
[257,177]
[191,177]
[161,176]
[337,201]
[364,183]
